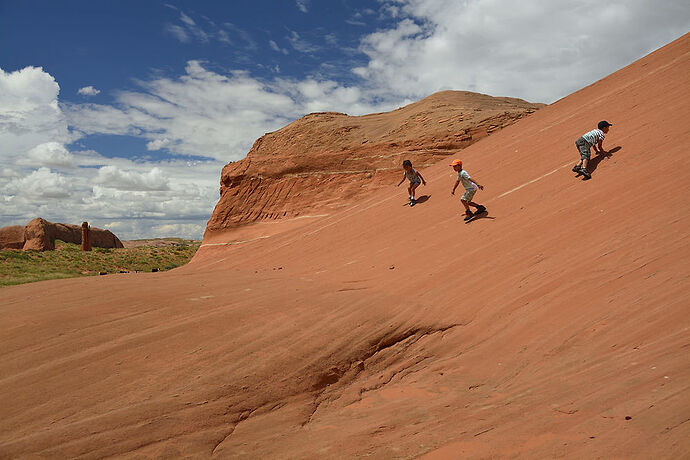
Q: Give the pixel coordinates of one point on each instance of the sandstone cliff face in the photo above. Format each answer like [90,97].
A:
[12,237]
[40,235]
[324,160]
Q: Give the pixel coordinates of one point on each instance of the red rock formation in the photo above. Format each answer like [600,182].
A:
[322,160]
[85,236]
[12,237]
[40,235]
[557,329]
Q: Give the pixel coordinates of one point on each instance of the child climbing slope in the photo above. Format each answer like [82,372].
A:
[586,142]
[414,177]
[471,186]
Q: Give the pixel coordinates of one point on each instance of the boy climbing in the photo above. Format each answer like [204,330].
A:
[414,177]
[471,187]
[585,142]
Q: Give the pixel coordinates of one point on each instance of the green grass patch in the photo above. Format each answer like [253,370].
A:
[68,261]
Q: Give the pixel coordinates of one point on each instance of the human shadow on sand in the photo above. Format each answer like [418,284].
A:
[421,199]
[594,162]
[484,215]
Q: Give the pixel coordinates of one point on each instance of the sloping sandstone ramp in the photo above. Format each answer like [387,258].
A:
[557,327]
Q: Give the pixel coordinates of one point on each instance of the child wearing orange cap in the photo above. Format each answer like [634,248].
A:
[471,186]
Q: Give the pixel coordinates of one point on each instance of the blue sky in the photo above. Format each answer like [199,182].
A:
[123,113]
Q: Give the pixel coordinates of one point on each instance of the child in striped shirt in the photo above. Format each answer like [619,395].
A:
[585,143]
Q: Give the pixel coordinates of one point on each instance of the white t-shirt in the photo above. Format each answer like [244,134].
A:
[413,176]
[593,136]
[464,177]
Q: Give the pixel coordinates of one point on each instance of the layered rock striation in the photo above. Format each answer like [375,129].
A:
[325,160]
[40,235]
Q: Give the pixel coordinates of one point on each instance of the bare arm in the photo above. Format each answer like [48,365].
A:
[601,148]
[481,187]
[401,181]
[420,176]
[454,187]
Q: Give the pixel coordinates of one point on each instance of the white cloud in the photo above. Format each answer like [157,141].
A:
[540,50]
[201,113]
[114,177]
[186,19]
[178,32]
[205,30]
[158,144]
[48,154]
[29,112]
[300,44]
[88,91]
[40,184]
[33,137]
[193,29]
[274,46]
[303,5]
[191,231]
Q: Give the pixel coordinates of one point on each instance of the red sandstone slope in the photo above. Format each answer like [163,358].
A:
[558,329]
[325,161]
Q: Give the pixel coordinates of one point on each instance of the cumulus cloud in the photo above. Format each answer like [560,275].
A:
[48,154]
[29,112]
[40,184]
[88,91]
[540,50]
[158,144]
[114,177]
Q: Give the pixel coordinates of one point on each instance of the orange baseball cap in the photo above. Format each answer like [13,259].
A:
[456,162]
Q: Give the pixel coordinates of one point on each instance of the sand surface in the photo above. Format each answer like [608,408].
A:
[556,327]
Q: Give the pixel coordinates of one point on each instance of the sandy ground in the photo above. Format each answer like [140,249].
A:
[557,326]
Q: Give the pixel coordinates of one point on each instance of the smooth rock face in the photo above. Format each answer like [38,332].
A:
[325,160]
[12,237]
[555,327]
[40,235]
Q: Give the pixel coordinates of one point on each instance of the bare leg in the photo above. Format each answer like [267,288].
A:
[584,163]
[413,187]
[466,205]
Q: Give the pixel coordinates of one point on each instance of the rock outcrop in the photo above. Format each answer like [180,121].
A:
[12,237]
[85,236]
[326,159]
[40,235]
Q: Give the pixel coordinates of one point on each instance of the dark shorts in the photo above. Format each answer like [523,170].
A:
[583,147]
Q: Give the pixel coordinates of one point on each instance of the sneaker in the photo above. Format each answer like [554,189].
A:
[576,168]
[468,215]
[585,173]
[480,209]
